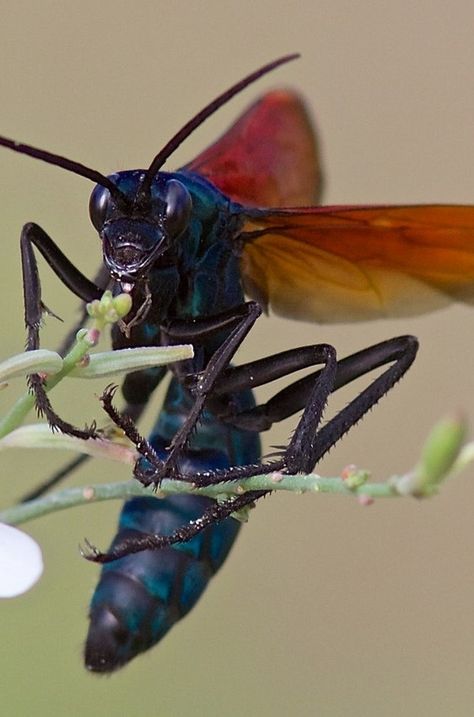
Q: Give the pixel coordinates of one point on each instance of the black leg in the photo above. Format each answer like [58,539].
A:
[294,398]
[33,235]
[102,280]
[132,411]
[244,317]
[71,277]
[309,393]
[402,351]
[200,329]
[308,444]
[150,541]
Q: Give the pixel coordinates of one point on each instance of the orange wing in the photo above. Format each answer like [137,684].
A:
[268,158]
[331,264]
[341,264]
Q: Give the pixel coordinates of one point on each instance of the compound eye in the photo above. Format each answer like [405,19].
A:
[178,208]
[98,204]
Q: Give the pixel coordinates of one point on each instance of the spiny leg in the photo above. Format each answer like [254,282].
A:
[308,445]
[138,386]
[66,470]
[149,541]
[402,351]
[218,511]
[127,424]
[33,235]
[302,451]
[243,318]
[131,411]
[294,397]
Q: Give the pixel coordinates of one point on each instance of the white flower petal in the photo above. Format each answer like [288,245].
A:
[21,562]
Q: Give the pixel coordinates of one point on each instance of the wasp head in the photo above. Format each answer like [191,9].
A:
[138,228]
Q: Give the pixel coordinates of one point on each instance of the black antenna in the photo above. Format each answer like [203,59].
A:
[65,163]
[201,116]
[163,154]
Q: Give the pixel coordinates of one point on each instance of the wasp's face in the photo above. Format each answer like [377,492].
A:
[136,230]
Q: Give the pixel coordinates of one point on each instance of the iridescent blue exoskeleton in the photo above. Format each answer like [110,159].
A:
[140,596]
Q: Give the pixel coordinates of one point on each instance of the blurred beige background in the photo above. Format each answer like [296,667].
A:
[324,607]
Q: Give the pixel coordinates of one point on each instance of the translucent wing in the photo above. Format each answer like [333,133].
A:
[341,264]
[268,158]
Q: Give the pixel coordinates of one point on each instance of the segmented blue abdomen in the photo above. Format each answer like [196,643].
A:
[141,596]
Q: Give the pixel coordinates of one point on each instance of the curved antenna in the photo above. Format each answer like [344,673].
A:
[201,116]
[65,163]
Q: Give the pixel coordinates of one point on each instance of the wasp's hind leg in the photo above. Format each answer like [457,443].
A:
[309,442]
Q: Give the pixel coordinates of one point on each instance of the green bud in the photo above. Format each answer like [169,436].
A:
[438,457]
[123,304]
[440,451]
[109,309]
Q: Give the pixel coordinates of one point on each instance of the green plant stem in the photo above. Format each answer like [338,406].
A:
[71,497]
